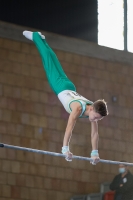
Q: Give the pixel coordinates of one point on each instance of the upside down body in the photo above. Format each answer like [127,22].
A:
[75,104]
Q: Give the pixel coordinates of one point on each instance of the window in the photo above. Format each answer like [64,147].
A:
[130,25]
[111,23]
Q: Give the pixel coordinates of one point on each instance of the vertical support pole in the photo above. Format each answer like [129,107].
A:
[125,25]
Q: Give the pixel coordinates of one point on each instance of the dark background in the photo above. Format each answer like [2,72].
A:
[74,18]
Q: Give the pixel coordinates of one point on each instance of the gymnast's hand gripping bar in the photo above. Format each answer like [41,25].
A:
[61,155]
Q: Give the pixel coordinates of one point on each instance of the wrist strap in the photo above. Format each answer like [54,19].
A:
[94,153]
[65,149]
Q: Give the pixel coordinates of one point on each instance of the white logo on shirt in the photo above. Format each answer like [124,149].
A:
[124,180]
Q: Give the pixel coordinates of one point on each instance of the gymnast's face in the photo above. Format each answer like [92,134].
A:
[94,116]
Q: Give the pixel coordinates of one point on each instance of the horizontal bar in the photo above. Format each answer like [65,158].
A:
[61,155]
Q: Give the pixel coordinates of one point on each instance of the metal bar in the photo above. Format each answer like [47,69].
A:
[61,155]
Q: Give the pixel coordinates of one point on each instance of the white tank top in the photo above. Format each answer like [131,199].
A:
[66,97]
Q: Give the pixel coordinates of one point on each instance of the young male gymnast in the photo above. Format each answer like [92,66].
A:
[75,104]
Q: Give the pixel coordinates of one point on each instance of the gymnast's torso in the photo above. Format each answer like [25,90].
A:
[67,97]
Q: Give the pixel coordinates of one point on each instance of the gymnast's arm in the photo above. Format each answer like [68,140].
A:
[94,135]
[76,111]
[94,142]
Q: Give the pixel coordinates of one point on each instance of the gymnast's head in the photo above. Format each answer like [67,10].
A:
[98,110]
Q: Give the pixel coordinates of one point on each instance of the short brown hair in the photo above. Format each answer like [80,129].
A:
[100,106]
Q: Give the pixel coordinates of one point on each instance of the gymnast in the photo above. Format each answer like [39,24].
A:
[75,104]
